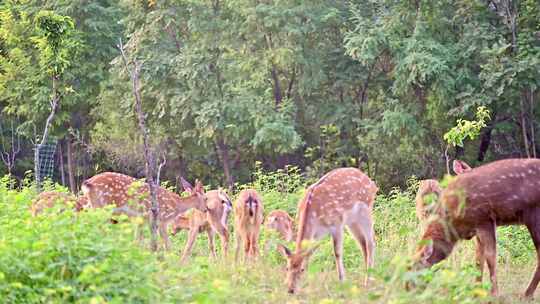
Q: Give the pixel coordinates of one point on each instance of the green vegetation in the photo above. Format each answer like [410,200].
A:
[318,85]
[60,257]
[263,94]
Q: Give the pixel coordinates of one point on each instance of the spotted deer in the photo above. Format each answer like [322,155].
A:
[248,215]
[215,220]
[500,193]
[281,222]
[132,198]
[48,199]
[342,198]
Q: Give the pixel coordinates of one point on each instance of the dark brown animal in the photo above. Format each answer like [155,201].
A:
[343,197]
[212,221]
[248,215]
[282,222]
[501,193]
[121,190]
[48,199]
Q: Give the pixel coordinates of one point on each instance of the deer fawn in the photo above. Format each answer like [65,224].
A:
[342,197]
[215,220]
[48,199]
[501,193]
[248,215]
[115,188]
[282,222]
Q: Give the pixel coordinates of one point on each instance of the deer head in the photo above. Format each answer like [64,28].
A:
[197,192]
[296,264]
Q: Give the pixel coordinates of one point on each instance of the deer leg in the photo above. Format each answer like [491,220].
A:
[480,259]
[238,240]
[487,236]
[337,237]
[362,230]
[163,233]
[211,234]
[224,237]
[193,231]
[247,246]
[533,224]
[255,244]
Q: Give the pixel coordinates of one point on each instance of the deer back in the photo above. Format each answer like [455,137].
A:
[499,191]
[333,196]
[109,187]
[248,208]
[48,199]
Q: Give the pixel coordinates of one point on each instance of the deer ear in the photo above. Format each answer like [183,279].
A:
[199,186]
[186,185]
[285,252]
[310,251]
[460,167]
[428,251]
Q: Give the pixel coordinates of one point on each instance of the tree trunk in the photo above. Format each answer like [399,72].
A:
[531,122]
[150,165]
[223,151]
[485,140]
[524,128]
[277,87]
[54,108]
[71,174]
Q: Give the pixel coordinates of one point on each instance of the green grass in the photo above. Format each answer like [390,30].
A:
[81,258]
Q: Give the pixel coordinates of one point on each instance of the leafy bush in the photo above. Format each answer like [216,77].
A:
[67,257]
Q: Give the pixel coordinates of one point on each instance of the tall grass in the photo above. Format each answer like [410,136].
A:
[63,257]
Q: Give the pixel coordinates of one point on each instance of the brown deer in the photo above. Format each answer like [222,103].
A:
[342,198]
[248,215]
[281,222]
[120,190]
[431,187]
[215,220]
[500,193]
[48,199]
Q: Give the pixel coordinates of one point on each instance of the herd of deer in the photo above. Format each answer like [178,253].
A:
[473,204]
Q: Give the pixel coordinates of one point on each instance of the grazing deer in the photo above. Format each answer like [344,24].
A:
[248,215]
[342,197]
[119,189]
[500,193]
[48,199]
[215,220]
[282,222]
[431,187]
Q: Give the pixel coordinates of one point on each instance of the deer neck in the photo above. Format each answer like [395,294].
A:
[183,204]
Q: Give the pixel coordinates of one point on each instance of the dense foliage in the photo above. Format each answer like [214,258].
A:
[318,84]
[62,256]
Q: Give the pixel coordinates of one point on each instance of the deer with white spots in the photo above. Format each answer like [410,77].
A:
[215,220]
[342,198]
[505,192]
[248,215]
[48,199]
[281,222]
[119,189]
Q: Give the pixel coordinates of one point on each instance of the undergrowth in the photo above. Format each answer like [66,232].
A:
[67,257]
